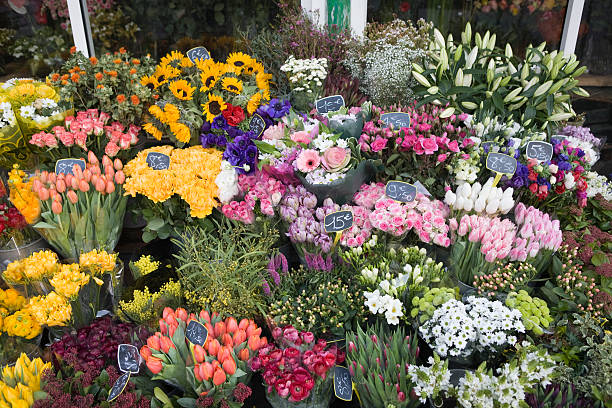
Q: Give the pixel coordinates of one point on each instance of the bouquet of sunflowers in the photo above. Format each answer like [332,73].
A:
[191,94]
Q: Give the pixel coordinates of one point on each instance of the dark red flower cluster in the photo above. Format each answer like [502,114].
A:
[11,218]
[295,363]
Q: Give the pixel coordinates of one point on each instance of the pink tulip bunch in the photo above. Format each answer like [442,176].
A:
[495,236]
[86,131]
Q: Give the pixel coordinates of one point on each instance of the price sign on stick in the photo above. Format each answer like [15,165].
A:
[65,166]
[128,358]
[343,383]
[501,164]
[118,387]
[329,104]
[257,125]
[198,53]
[396,120]
[338,222]
[540,151]
[158,161]
[401,191]
[196,333]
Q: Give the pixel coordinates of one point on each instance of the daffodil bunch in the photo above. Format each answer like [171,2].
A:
[191,94]
[179,195]
[20,383]
[11,300]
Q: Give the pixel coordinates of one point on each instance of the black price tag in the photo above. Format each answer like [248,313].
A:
[65,166]
[501,163]
[329,104]
[396,120]
[338,221]
[257,125]
[128,358]
[118,387]
[198,53]
[343,383]
[400,191]
[541,151]
[158,161]
[196,333]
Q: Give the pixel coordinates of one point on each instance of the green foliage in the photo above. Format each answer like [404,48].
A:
[474,75]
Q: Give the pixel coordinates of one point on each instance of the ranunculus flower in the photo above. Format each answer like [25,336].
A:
[335,159]
[301,137]
[233,115]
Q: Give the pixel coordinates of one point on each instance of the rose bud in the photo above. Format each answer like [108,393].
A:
[145,352]
[117,164]
[219,376]
[401,396]
[56,207]
[199,353]
[119,177]
[277,332]
[166,344]
[229,366]
[239,337]
[72,196]
[244,354]
[43,194]
[91,158]
[219,329]
[231,325]
[153,343]
[181,314]
[206,371]
[154,364]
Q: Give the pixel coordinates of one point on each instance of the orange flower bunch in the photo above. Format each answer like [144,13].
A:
[213,369]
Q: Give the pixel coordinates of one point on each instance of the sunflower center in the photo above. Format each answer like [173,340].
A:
[150,86]
[161,78]
[214,107]
[239,63]
[232,88]
[183,93]
[209,81]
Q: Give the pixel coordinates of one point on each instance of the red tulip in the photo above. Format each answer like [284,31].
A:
[231,325]
[166,344]
[244,354]
[206,371]
[145,352]
[227,340]
[171,320]
[224,353]
[72,196]
[244,323]
[213,347]
[199,353]
[219,376]
[263,341]
[163,327]
[210,329]
[196,371]
[119,177]
[229,366]
[239,337]
[154,364]
[167,311]
[153,343]
[181,314]
[253,329]
[219,329]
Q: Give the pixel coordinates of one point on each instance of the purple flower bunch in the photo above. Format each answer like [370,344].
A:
[581,133]
[278,263]
[275,109]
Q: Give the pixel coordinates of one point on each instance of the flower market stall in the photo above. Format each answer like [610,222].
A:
[399,219]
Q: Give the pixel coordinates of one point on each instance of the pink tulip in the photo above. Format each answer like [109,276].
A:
[43,194]
[110,187]
[91,158]
[74,183]
[52,178]
[72,196]
[100,185]
[109,171]
[56,207]
[83,186]
[95,170]
[43,177]
[60,186]
[106,161]
[36,185]
[118,165]
[94,179]
[119,177]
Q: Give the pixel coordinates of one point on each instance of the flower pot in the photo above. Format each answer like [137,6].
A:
[342,191]
[320,397]
[9,255]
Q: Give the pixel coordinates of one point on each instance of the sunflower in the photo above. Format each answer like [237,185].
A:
[173,59]
[266,94]
[172,113]
[239,61]
[181,89]
[204,64]
[181,132]
[150,81]
[209,77]
[254,103]
[254,68]
[152,130]
[213,106]
[263,80]
[232,84]
[163,73]
[186,63]
[158,113]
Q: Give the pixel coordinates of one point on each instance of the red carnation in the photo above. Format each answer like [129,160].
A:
[233,115]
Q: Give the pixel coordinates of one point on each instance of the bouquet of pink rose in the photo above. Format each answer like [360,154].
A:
[88,131]
[296,369]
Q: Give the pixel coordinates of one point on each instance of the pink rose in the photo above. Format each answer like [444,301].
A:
[66,138]
[275,132]
[87,126]
[336,158]
[379,144]
[429,145]
[442,157]
[301,137]
[104,117]
[50,140]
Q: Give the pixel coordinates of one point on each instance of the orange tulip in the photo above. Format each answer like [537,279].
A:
[166,344]
[263,341]
[213,347]
[253,329]
[91,158]
[87,175]
[118,165]
[219,329]
[56,207]
[254,342]
[215,364]
[106,162]
[231,325]
[76,170]
[244,354]
[43,194]
[181,314]
[219,376]
[44,176]
[204,315]
[171,330]
[94,179]
[214,315]
[94,170]
[36,185]
[163,327]
[167,311]
[145,352]
[229,366]
[100,185]
[196,371]
[224,353]
[74,183]
[60,186]
[244,323]
[110,187]
[154,364]
[171,320]
[83,186]
[227,340]
[109,172]
[239,337]
[210,329]
[206,371]
[199,353]
[119,177]
[72,196]
[153,343]
[52,178]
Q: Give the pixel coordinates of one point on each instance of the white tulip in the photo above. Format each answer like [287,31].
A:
[468,205]
[450,198]
[476,188]
[459,205]
[479,205]
[485,192]
[493,207]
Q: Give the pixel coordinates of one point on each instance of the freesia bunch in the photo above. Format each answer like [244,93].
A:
[296,367]
[218,370]
[378,363]
[459,329]
[480,199]
[89,131]
[84,209]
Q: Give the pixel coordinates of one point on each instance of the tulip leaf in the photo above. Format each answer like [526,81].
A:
[186,402]
[43,224]
[160,395]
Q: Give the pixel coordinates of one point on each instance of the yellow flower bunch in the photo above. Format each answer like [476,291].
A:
[69,280]
[191,175]
[21,381]
[11,300]
[22,196]
[51,310]
[145,265]
[22,324]
[36,267]
[26,91]
[98,262]
[145,306]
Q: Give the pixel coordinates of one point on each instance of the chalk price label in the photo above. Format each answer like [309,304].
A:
[338,221]
[401,191]
[329,104]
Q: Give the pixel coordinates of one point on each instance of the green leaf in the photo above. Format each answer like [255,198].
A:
[599,258]
[148,236]
[264,147]
[160,395]
[155,224]
[187,402]
[550,104]
[43,224]
[498,101]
